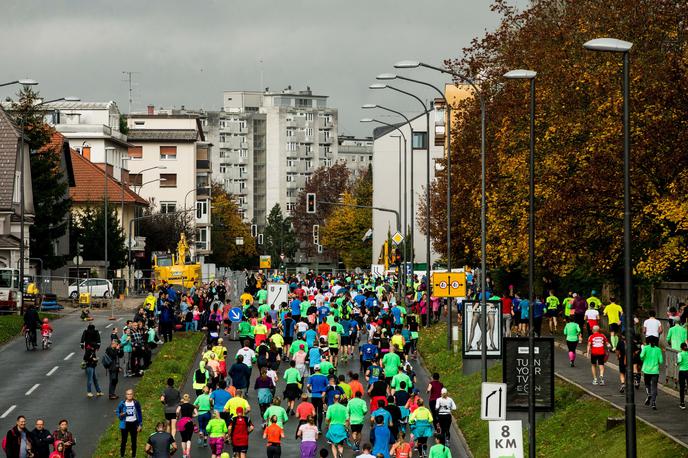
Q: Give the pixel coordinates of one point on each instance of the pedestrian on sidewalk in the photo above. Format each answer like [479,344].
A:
[651,355]
[90,365]
[682,363]
[572,333]
[114,353]
[597,350]
[130,421]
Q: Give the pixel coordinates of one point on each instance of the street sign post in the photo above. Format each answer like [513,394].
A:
[235,315]
[493,401]
[517,373]
[506,439]
[138,274]
[449,284]
[397,238]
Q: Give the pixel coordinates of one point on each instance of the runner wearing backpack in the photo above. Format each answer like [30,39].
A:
[239,428]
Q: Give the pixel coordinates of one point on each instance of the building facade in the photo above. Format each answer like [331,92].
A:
[169,165]
[355,153]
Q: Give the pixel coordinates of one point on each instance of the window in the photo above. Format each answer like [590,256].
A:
[242,185]
[292,146]
[290,132]
[420,140]
[309,163]
[135,179]
[224,153]
[168,180]
[309,116]
[242,124]
[241,200]
[202,238]
[223,168]
[309,131]
[168,207]
[243,153]
[135,152]
[223,138]
[291,206]
[290,163]
[370,158]
[242,170]
[290,178]
[168,152]
[201,209]
[304,103]
[309,149]
[326,149]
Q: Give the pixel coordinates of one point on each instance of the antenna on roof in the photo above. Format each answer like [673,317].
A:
[128,75]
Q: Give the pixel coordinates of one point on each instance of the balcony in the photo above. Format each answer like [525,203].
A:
[202,165]
[325,138]
[202,192]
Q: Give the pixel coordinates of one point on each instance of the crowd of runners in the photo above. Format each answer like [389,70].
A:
[338,358]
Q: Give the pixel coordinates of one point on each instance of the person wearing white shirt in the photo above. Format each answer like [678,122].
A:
[652,326]
[248,354]
[444,406]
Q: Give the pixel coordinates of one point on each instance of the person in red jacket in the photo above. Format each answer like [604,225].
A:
[59,450]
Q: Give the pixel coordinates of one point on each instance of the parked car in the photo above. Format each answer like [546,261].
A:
[98,287]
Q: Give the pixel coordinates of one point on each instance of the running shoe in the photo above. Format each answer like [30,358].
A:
[622,388]
[602,382]
[90,395]
[654,406]
[647,401]
[682,406]
[594,381]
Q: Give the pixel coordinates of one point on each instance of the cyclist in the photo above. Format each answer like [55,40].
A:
[46,332]
[31,323]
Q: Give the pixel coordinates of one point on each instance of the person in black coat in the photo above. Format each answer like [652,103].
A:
[15,436]
[90,338]
[42,439]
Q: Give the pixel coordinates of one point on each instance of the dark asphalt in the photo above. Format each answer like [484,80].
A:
[62,394]
[291,446]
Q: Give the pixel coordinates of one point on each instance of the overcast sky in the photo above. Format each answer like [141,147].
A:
[186,52]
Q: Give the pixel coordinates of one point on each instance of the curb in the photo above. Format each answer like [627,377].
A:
[455,427]
[660,386]
[621,408]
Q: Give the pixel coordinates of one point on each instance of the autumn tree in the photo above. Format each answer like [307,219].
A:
[579,161]
[346,225]
[227,227]
[327,183]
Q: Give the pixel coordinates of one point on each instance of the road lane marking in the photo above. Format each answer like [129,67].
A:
[52,371]
[108,325]
[69,356]
[8,411]
[32,389]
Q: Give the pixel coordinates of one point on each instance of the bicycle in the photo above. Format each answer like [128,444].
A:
[29,337]
[45,341]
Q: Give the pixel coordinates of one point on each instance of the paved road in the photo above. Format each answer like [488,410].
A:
[290,446]
[668,418]
[51,385]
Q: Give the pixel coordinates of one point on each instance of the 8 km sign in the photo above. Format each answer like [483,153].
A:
[506,439]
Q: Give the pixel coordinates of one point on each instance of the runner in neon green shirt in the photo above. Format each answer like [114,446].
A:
[568,300]
[572,331]
[552,311]
[391,363]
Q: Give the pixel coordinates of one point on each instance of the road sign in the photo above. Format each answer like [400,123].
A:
[517,373]
[506,439]
[397,238]
[235,314]
[282,256]
[265,261]
[493,401]
[78,260]
[277,293]
[377,270]
[138,274]
[409,268]
[449,284]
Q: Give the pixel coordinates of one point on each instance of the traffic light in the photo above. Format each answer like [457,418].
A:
[397,257]
[310,202]
[254,230]
[79,248]
[316,234]
[320,249]
[260,239]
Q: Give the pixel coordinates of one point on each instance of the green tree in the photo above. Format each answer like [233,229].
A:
[88,229]
[52,204]
[227,226]
[279,236]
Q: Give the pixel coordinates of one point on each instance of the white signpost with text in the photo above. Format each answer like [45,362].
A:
[506,439]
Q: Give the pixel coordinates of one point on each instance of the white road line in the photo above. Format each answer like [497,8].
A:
[32,389]
[52,371]
[8,411]
[108,325]
[69,356]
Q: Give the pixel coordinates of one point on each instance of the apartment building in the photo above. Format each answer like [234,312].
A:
[268,144]
[169,165]
[356,153]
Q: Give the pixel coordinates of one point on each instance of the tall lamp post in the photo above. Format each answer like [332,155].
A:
[402,136]
[530,76]
[402,271]
[483,205]
[391,76]
[22,194]
[624,47]
[426,111]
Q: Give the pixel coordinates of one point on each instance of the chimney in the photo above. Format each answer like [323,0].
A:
[151,109]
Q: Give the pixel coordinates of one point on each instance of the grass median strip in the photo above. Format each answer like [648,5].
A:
[578,421]
[173,360]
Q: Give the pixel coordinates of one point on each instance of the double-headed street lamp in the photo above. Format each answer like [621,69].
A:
[530,76]
[624,47]
[24,82]
[402,136]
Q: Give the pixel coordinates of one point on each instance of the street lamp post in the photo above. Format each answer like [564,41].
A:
[624,47]
[391,76]
[402,136]
[426,111]
[483,205]
[530,76]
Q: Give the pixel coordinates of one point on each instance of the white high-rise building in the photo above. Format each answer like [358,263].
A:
[267,144]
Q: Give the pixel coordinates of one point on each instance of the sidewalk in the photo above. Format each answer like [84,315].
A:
[669,419]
